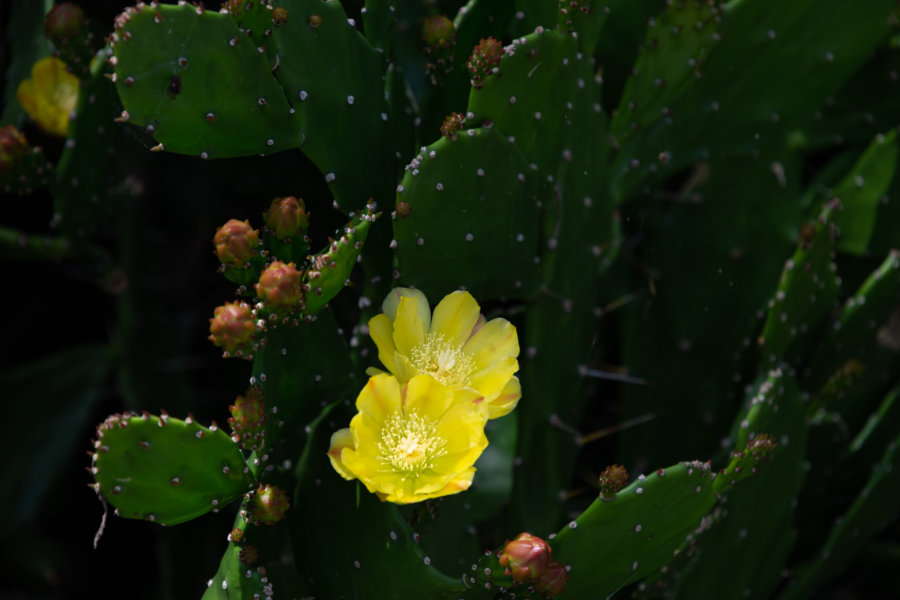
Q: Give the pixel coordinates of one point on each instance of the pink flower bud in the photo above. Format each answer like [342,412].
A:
[235,242]
[526,557]
[248,415]
[231,326]
[64,21]
[279,285]
[13,146]
[553,581]
[269,504]
[286,216]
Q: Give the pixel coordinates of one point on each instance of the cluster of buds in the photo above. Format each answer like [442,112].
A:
[439,35]
[248,416]
[527,559]
[484,61]
[13,146]
[269,505]
[453,123]
[612,479]
[286,217]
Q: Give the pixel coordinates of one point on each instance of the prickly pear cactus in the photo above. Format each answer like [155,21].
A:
[494,299]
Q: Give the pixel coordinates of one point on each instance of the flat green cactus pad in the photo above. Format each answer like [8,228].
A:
[198,85]
[166,470]
[649,519]
[477,179]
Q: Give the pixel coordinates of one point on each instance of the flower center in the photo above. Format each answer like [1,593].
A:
[410,443]
[444,361]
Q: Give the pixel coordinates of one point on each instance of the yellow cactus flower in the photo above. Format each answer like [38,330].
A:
[50,95]
[455,345]
[411,441]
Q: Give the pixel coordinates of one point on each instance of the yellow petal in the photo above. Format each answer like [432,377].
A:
[455,316]
[392,302]
[409,329]
[340,439]
[426,397]
[405,369]
[382,332]
[380,398]
[50,95]
[494,341]
[504,404]
[491,380]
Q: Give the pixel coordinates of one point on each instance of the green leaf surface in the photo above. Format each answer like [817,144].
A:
[198,85]
[453,189]
[805,294]
[166,470]
[618,541]
[861,192]
[747,546]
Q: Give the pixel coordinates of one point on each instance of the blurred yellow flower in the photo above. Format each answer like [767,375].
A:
[50,95]
[455,345]
[411,441]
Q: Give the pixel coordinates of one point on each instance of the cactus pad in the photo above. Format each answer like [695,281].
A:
[166,470]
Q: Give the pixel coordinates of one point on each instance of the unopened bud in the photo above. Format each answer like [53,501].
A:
[612,479]
[13,146]
[485,60]
[248,415]
[279,16]
[64,21]
[269,504]
[453,123]
[235,242]
[438,30]
[553,581]
[286,216]
[231,326]
[526,557]
[279,285]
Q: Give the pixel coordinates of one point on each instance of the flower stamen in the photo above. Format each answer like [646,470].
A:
[444,361]
[410,444]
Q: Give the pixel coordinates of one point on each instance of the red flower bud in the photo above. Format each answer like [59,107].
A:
[64,21]
[526,557]
[453,123]
[231,326]
[485,60]
[269,504]
[235,242]
[279,285]
[612,479]
[553,581]
[286,216]
[13,146]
